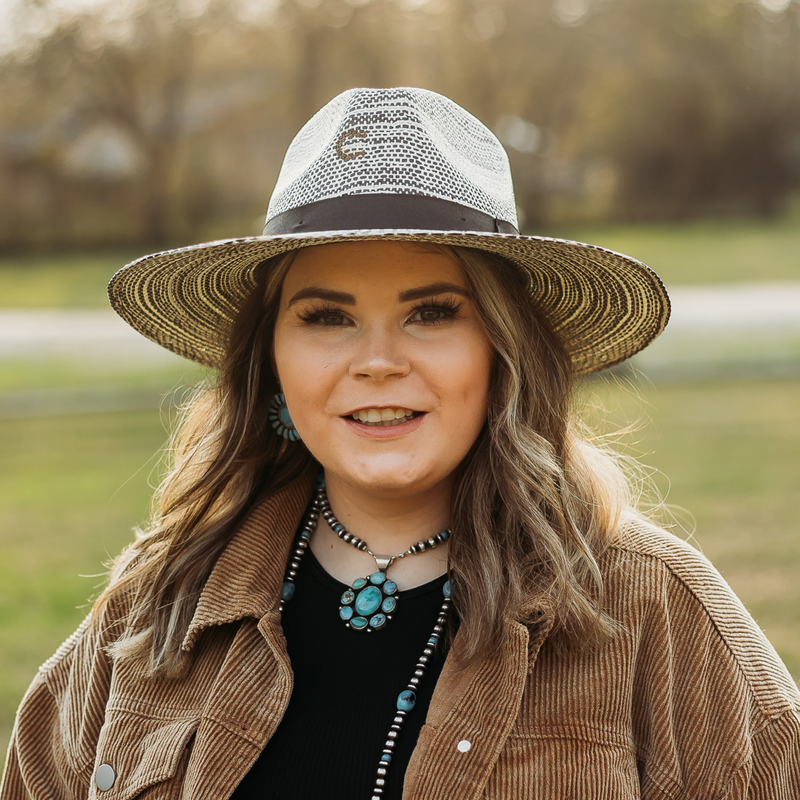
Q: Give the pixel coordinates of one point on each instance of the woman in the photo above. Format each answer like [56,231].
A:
[385,563]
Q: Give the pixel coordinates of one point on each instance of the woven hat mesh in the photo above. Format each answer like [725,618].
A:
[605,306]
[396,141]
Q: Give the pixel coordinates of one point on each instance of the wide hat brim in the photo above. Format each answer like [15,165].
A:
[603,305]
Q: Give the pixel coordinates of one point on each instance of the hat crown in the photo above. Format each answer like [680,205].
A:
[402,141]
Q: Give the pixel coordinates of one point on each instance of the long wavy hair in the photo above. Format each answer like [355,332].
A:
[534,507]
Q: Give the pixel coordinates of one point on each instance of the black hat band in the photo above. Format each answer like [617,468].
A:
[384,212]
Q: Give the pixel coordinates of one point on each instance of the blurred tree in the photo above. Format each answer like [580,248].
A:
[165,120]
[705,109]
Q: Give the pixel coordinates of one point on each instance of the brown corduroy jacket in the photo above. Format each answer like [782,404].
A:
[689,701]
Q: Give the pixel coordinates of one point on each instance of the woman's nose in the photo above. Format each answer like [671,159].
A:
[378,353]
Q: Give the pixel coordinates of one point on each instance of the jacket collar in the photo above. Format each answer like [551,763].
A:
[246,580]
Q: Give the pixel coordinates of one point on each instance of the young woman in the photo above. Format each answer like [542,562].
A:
[385,563]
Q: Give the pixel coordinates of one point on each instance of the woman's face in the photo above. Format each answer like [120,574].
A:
[384,363]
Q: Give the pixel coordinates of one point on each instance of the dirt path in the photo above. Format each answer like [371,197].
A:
[715,331]
[765,307]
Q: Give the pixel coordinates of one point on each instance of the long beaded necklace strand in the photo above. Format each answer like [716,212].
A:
[407,699]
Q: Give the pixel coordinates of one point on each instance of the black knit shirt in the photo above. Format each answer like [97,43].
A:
[329,742]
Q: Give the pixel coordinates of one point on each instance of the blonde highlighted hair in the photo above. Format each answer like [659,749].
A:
[534,507]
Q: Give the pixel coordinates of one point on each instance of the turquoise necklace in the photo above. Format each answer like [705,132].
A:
[371,601]
[407,699]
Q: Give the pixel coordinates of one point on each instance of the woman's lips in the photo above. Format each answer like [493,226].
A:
[382,415]
[385,429]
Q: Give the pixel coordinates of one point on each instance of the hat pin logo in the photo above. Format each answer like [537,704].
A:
[345,143]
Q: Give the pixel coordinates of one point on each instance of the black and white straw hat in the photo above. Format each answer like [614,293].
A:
[404,165]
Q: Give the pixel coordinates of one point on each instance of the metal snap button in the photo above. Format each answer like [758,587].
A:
[464,746]
[105,777]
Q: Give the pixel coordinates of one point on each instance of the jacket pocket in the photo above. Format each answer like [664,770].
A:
[139,756]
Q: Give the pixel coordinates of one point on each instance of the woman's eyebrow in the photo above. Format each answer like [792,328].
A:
[318,293]
[443,287]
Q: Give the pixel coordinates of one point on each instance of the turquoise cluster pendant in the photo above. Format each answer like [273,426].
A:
[369,603]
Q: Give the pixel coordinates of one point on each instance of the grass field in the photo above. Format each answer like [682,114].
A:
[682,253]
[707,251]
[57,280]
[73,487]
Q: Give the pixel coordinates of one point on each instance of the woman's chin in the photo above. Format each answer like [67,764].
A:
[380,478]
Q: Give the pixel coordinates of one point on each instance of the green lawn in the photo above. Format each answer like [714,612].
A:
[58,280]
[73,487]
[71,490]
[724,457]
[52,373]
[703,252]
[716,251]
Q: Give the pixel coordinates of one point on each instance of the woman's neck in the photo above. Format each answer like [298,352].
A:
[389,523]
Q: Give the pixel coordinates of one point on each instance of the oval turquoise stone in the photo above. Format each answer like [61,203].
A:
[286,418]
[406,700]
[287,591]
[389,605]
[359,623]
[377,578]
[346,613]
[446,589]
[377,622]
[390,587]
[348,597]
[386,757]
[359,583]
[368,600]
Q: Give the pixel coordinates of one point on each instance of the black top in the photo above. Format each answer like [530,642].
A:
[329,742]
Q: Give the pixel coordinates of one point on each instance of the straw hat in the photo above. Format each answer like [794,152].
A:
[402,165]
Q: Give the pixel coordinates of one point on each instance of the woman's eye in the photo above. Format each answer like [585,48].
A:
[430,314]
[331,319]
[433,314]
[325,318]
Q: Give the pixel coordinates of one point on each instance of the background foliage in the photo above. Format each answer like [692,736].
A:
[165,121]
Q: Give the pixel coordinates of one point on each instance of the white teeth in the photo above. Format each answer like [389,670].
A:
[382,416]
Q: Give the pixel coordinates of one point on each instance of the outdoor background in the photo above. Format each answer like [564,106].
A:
[666,129]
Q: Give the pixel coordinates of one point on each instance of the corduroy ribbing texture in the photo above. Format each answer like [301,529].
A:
[689,701]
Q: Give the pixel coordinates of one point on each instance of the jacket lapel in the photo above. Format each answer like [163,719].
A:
[470,717]
[246,580]
[245,706]
[252,688]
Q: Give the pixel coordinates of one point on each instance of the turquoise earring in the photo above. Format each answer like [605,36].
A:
[281,419]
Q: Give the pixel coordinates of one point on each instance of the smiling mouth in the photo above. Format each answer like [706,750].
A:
[383,417]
